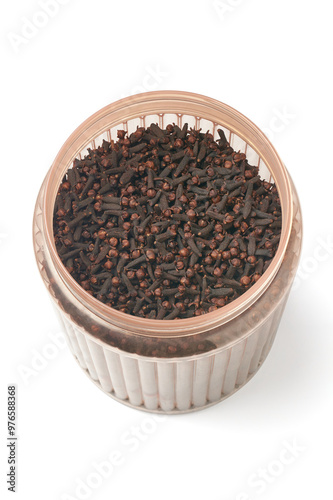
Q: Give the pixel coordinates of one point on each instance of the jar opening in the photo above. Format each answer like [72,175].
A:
[154,107]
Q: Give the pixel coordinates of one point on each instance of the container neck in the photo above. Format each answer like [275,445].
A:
[182,104]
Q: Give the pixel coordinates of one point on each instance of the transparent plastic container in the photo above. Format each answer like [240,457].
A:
[178,365]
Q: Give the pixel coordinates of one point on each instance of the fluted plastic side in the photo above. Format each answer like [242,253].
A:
[173,385]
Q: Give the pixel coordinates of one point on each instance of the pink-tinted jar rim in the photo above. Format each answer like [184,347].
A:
[181,103]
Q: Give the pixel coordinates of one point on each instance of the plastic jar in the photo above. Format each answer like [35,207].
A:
[178,365]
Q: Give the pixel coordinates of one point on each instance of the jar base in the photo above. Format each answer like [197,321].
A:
[174,411]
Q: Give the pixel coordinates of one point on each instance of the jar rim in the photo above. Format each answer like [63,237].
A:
[164,102]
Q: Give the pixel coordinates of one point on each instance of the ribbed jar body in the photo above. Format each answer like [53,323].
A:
[212,356]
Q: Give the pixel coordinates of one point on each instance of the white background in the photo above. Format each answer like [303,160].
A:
[264,58]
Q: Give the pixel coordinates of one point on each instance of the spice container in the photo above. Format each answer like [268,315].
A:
[182,364]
